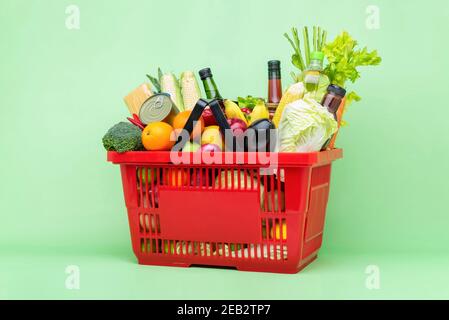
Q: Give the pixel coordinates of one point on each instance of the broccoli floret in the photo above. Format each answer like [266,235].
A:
[123,137]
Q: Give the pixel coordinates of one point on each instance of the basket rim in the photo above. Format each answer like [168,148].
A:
[237,158]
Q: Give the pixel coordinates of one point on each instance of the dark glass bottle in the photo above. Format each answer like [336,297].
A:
[210,87]
[274,81]
[332,101]
[333,98]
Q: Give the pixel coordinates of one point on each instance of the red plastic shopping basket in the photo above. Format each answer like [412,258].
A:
[237,213]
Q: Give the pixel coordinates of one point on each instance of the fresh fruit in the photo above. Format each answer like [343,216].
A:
[177,177]
[259,136]
[234,179]
[238,126]
[146,226]
[170,118]
[260,111]
[208,116]
[246,111]
[145,175]
[169,248]
[210,148]
[232,111]
[191,147]
[190,90]
[278,231]
[170,85]
[180,121]
[158,136]
[212,135]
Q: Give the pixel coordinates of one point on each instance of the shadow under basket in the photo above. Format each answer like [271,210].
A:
[235,211]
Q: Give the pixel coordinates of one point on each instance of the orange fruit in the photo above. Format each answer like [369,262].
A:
[180,121]
[176,177]
[169,119]
[158,136]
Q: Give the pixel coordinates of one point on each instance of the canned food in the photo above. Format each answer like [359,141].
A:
[157,108]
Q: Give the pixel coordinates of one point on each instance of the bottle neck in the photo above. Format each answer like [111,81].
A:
[211,88]
[274,74]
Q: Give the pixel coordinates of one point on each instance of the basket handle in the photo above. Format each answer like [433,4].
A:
[197,111]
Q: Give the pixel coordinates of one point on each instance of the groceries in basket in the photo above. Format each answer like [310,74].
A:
[305,118]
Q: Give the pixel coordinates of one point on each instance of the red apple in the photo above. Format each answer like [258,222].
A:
[208,117]
[238,126]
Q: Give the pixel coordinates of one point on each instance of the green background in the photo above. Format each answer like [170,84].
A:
[61,203]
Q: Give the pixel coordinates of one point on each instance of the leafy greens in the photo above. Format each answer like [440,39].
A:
[344,59]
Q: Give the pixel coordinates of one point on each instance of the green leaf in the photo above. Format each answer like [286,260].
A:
[344,59]
[249,102]
[155,83]
[159,73]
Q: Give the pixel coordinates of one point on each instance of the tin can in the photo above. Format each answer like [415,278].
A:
[157,108]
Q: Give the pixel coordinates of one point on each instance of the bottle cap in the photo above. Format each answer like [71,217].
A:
[274,65]
[317,55]
[205,73]
[339,91]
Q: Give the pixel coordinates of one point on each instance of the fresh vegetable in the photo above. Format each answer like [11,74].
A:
[340,112]
[293,93]
[156,81]
[344,59]
[260,111]
[170,85]
[158,136]
[190,90]
[233,111]
[123,137]
[135,120]
[249,102]
[298,60]
[305,126]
